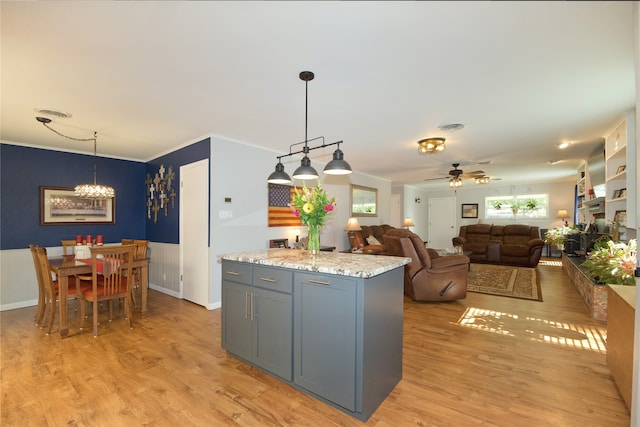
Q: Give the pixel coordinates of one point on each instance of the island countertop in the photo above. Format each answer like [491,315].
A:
[343,264]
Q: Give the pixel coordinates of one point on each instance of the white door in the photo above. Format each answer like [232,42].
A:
[442,222]
[194,232]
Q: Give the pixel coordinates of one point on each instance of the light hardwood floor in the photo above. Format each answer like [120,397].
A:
[486,360]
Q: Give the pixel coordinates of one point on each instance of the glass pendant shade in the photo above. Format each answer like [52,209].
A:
[305,171]
[337,166]
[455,182]
[279,176]
[431,146]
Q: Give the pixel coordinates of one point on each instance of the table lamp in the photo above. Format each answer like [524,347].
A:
[563,214]
[408,222]
[354,238]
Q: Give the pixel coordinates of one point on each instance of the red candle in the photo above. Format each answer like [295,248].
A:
[99,240]
[89,239]
[78,239]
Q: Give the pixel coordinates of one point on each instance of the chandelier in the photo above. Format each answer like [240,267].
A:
[86,191]
[430,146]
[337,166]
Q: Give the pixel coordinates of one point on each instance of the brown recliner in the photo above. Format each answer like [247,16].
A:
[429,276]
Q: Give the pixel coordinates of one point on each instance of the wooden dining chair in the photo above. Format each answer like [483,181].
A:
[111,279]
[41,291]
[67,246]
[141,253]
[50,287]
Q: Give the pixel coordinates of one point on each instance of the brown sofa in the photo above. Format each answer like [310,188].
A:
[515,244]
[359,238]
[429,276]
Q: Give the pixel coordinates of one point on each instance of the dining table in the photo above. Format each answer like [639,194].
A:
[67,266]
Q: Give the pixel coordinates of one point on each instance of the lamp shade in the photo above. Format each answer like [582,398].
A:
[562,213]
[408,222]
[305,171]
[337,166]
[353,225]
[279,176]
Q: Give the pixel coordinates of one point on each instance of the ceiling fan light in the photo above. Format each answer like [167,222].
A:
[482,180]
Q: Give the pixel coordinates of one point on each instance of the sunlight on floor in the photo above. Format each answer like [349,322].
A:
[552,262]
[540,330]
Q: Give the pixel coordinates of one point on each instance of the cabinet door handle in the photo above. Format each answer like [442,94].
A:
[266,279]
[233,273]
[251,296]
[246,305]
[319,282]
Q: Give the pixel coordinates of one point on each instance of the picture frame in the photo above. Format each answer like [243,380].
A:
[616,194]
[621,218]
[61,206]
[469,210]
[623,193]
[621,169]
[364,201]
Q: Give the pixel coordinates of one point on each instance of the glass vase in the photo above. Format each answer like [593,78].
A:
[314,239]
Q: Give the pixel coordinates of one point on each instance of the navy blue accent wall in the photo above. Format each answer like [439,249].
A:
[167,229]
[23,170]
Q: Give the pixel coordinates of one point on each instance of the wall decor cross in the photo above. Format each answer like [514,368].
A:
[160,191]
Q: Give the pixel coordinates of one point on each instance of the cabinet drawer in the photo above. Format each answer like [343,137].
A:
[236,272]
[273,279]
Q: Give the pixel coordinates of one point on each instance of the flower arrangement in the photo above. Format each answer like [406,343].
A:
[312,205]
[613,263]
[557,236]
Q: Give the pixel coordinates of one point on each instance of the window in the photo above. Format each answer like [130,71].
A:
[530,206]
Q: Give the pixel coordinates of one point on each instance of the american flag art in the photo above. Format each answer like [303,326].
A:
[280,214]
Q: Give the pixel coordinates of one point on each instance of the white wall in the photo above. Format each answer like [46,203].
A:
[239,171]
[561,196]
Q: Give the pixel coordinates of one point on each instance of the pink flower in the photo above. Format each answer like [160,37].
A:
[328,208]
[297,212]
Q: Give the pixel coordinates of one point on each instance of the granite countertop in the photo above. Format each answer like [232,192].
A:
[354,265]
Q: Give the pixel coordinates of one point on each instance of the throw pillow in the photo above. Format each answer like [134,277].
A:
[373,241]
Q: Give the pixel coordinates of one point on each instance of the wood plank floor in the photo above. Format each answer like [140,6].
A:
[486,360]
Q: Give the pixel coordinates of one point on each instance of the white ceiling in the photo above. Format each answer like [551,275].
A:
[149,76]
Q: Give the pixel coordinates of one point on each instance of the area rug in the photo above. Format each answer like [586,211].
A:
[505,281]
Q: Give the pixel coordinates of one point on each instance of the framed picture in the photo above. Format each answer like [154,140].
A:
[61,206]
[621,169]
[623,192]
[364,201]
[621,218]
[470,210]
[616,194]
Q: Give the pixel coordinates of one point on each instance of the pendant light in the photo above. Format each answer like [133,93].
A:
[337,166]
[86,191]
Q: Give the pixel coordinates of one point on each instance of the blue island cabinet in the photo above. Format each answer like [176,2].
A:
[335,337]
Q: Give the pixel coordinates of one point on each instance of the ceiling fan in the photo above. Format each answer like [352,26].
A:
[458,174]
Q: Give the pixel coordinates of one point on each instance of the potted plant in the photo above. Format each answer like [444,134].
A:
[497,205]
[515,206]
[532,204]
[612,263]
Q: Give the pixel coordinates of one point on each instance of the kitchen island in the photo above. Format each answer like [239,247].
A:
[329,325]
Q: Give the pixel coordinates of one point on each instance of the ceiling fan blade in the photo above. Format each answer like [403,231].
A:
[475,173]
[434,179]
